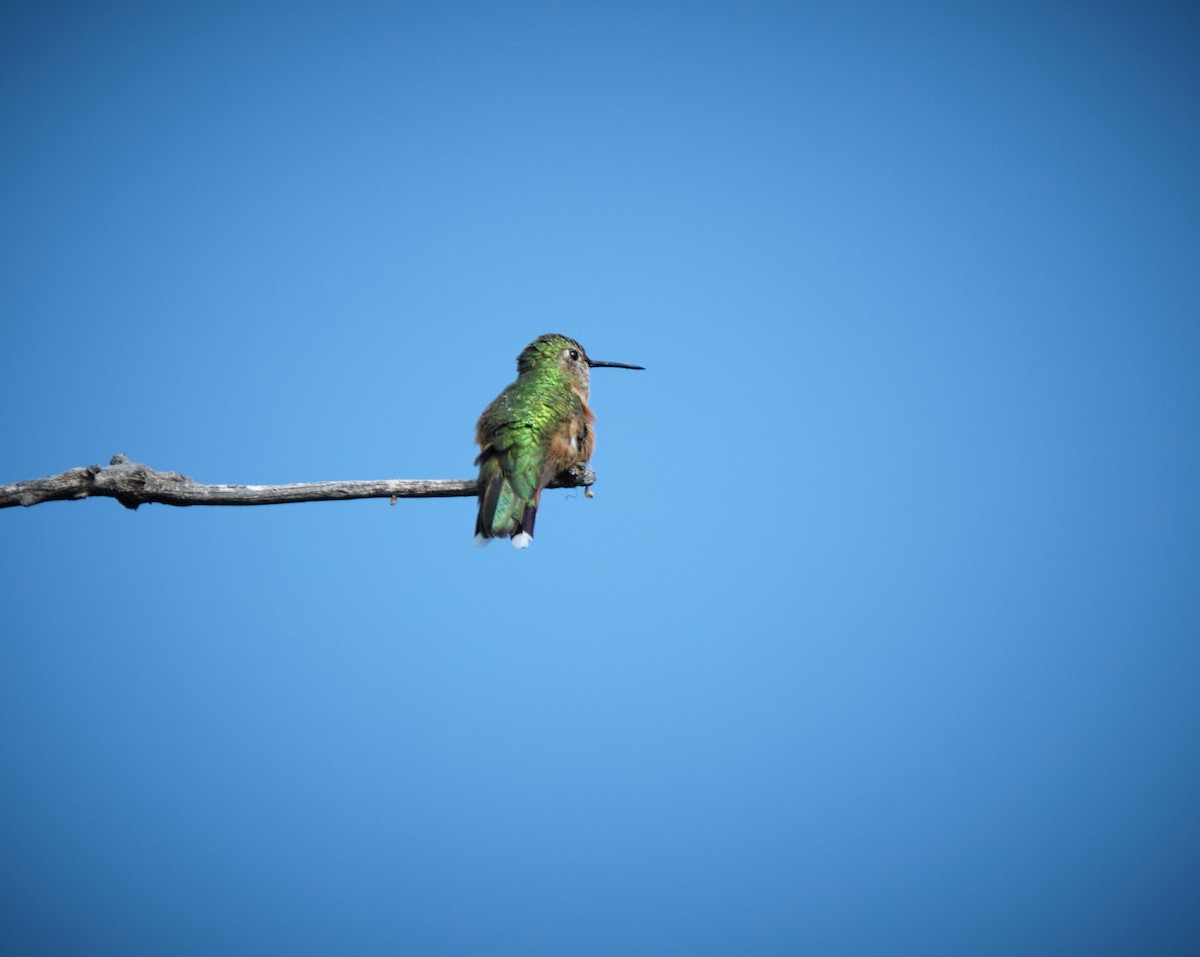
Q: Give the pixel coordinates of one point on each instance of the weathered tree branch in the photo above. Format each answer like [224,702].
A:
[133,484]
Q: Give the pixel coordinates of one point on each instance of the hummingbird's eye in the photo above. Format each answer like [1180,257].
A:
[574,355]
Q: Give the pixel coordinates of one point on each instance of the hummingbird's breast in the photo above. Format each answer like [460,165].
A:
[572,443]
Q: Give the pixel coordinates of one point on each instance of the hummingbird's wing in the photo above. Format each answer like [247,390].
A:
[515,434]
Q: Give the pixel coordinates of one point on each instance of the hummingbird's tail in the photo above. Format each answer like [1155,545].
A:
[507,506]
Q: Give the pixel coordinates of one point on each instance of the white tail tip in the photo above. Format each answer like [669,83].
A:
[522,540]
[481,542]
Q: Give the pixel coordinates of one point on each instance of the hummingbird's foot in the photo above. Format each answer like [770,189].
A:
[573,477]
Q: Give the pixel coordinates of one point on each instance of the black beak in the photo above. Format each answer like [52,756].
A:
[614,365]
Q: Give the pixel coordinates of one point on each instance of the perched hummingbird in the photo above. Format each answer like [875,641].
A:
[537,427]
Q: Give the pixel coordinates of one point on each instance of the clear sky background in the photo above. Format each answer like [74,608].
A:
[882,632]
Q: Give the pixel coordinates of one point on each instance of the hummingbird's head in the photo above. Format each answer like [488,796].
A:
[558,351]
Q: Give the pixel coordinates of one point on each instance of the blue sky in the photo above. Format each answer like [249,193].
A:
[881,632]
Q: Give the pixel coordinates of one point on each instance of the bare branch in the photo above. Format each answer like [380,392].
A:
[133,484]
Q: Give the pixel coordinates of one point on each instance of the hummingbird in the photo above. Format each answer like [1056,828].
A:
[537,427]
